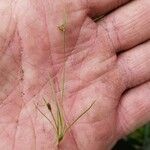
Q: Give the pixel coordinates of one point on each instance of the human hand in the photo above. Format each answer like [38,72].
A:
[103,60]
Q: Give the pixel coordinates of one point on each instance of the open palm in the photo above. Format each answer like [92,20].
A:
[102,61]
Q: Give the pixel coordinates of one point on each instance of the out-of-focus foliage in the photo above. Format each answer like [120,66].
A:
[139,140]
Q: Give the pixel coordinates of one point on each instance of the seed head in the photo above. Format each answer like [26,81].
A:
[62,28]
[49,107]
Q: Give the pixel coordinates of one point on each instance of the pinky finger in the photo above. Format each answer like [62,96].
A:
[134,109]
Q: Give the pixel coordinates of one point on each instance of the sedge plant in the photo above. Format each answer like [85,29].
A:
[58,120]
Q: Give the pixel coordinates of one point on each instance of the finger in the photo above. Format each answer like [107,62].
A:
[100,7]
[134,109]
[135,65]
[129,25]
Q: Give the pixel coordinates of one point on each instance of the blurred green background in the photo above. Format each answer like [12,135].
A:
[139,140]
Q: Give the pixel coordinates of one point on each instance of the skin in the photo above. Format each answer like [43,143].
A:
[107,61]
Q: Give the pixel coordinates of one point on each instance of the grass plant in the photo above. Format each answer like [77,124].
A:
[58,121]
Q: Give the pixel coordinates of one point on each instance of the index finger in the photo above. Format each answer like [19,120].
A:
[101,7]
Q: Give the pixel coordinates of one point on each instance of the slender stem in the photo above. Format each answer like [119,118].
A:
[51,113]
[60,111]
[45,116]
[64,48]
[79,117]
[52,89]
[60,119]
[54,93]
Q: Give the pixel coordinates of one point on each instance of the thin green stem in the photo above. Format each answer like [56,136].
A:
[64,25]
[50,112]
[60,119]
[79,116]
[60,131]
[45,116]
[52,89]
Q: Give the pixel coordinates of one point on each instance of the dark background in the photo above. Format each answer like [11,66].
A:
[139,140]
